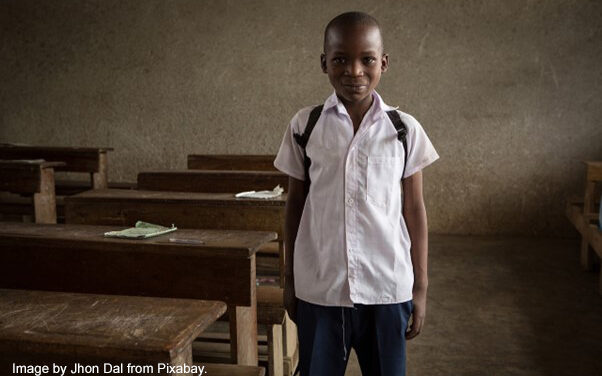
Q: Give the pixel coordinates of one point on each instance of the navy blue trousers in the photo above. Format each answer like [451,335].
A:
[376,333]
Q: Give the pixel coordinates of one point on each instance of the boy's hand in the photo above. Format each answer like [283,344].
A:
[418,313]
[290,300]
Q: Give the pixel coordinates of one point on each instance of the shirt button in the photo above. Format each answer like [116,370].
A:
[350,201]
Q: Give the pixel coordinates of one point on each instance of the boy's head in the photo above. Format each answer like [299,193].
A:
[353,56]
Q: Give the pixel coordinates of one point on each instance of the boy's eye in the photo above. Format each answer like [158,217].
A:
[338,60]
[369,60]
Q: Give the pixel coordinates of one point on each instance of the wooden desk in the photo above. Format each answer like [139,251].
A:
[216,265]
[40,327]
[186,210]
[211,181]
[231,162]
[32,177]
[84,159]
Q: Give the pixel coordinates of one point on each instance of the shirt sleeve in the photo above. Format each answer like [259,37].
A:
[421,151]
[290,155]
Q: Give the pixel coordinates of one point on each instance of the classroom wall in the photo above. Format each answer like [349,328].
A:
[509,92]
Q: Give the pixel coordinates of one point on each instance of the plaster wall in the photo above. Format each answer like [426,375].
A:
[509,92]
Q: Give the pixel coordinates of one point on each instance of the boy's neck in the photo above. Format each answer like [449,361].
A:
[357,110]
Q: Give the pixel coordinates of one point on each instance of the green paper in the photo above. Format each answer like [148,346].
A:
[142,230]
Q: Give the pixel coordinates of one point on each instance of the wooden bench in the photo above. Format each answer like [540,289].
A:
[584,215]
[231,162]
[199,264]
[30,177]
[42,327]
[76,159]
[211,181]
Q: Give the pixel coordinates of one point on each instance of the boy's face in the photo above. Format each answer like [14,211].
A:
[354,61]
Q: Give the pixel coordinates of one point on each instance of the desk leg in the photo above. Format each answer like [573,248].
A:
[243,325]
[281,261]
[587,254]
[243,335]
[290,337]
[275,356]
[182,357]
[44,202]
[100,179]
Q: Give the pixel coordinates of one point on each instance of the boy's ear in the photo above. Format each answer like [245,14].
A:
[384,63]
[323,62]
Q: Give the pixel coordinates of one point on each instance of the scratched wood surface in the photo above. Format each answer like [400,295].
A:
[102,325]
[231,162]
[214,181]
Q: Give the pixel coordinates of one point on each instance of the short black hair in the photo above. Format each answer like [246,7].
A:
[351,19]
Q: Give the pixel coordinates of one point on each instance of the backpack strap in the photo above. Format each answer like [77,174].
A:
[402,131]
[302,140]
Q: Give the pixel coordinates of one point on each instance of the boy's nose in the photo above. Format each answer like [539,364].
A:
[354,68]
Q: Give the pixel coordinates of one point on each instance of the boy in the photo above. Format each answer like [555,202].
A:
[353,277]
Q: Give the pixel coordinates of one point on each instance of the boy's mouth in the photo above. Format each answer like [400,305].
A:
[355,87]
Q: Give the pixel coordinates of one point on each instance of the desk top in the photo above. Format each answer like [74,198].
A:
[210,242]
[128,195]
[58,149]
[28,163]
[103,322]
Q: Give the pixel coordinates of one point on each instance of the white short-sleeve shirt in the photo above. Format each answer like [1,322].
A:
[352,245]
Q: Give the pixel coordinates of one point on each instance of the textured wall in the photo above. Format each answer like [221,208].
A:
[509,92]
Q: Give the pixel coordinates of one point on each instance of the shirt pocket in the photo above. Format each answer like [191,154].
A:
[382,179]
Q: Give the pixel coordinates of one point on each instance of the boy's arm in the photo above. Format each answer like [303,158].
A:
[294,208]
[414,213]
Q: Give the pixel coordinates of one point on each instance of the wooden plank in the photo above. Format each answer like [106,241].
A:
[211,181]
[76,159]
[231,162]
[67,326]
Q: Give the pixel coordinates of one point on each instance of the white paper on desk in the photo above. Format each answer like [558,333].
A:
[276,192]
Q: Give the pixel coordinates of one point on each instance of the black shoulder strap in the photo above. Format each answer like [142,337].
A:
[302,140]
[402,131]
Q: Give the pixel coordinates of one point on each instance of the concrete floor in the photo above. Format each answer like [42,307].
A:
[507,306]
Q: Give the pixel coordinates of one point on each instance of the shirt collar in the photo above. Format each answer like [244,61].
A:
[377,110]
